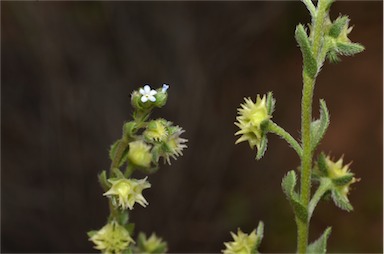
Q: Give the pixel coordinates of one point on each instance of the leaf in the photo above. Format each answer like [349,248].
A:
[263,147]
[310,63]
[320,126]
[123,218]
[320,245]
[349,49]
[130,227]
[288,184]
[112,150]
[341,201]
[338,26]
[300,211]
[341,181]
[91,233]
[322,165]
[259,233]
[270,103]
[103,181]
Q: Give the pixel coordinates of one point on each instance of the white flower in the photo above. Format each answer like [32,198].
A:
[147,94]
[165,88]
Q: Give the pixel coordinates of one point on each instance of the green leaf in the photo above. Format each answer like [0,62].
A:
[130,227]
[320,245]
[263,147]
[333,57]
[341,200]
[123,218]
[338,26]
[103,181]
[349,49]
[259,233]
[270,103]
[129,129]
[341,181]
[310,63]
[91,233]
[112,150]
[300,211]
[320,126]
[322,165]
[288,184]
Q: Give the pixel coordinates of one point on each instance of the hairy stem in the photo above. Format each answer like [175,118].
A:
[306,159]
[306,117]
[276,129]
[325,185]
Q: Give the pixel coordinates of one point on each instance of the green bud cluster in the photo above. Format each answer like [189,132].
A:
[144,141]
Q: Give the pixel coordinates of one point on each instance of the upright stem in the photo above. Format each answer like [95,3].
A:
[306,160]
[306,117]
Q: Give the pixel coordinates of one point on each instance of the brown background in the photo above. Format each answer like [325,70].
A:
[67,72]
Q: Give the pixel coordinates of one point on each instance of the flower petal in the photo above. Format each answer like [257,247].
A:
[151,98]
[165,88]
[152,92]
[147,88]
[141,90]
[144,98]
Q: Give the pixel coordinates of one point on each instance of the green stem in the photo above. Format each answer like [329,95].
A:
[306,117]
[318,27]
[274,128]
[306,159]
[325,185]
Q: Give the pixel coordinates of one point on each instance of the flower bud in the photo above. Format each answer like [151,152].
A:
[112,238]
[153,244]
[156,130]
[139,154]
[174,145]
[340,176]
[242,244]
[250,117]
[126,192]
[161,97]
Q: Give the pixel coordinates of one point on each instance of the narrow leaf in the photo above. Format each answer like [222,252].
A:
[288,184]
[270,103]
[338,26]
[341,201]
[112,150]
[259,233]
[263,147]
[300,210]
[310,63]
[319,127]
[349,49]
[321,163]
[320,245]
[103,181]
[341,181]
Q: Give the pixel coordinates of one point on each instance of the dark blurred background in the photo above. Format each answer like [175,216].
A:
[68,69]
